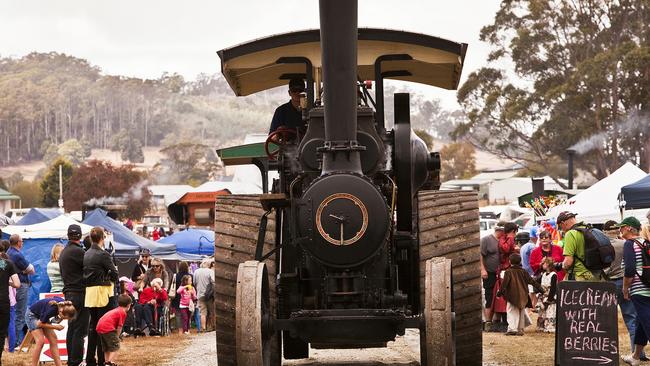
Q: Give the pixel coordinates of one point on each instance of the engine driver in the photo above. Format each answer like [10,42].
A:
[289,115]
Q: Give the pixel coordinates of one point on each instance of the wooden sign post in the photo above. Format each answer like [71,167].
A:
[587,324]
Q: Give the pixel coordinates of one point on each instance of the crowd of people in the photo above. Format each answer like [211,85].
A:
[521,270]
[98,302]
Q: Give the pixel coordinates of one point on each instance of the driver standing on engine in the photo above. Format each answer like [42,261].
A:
[289,115]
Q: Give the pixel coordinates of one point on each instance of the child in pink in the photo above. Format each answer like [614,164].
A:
[187,295]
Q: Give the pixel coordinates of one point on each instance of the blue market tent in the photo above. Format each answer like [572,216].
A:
[38,215]
[122,235]
[192,241]
[637,194]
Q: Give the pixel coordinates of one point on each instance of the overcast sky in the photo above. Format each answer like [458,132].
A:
[144,38]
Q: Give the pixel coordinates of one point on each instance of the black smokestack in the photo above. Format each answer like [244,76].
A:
[571,153]
[338,38]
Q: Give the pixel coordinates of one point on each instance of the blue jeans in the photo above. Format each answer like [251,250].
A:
[11,338]
[22,296]
[642,331]
[197,318]
[629,313]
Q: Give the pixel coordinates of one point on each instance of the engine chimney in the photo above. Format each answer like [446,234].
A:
[571,153]
[338,39]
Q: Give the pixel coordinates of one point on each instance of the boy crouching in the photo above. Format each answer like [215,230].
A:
[109,328]
[514,289]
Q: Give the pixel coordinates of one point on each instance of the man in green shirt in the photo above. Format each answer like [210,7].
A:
[574,249]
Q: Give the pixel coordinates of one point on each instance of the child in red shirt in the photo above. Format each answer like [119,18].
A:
[109,328]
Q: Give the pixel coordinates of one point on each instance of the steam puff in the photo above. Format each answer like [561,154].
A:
[634,123]
[134,193]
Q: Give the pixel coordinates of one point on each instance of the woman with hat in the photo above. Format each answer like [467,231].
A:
[143,264]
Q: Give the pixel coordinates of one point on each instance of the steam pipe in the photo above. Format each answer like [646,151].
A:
[571,153]
[338,37]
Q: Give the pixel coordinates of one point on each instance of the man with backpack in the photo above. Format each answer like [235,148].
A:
[636,283]
[587,251]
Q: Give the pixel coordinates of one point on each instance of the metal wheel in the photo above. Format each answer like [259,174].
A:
[448,226]
[237,219]
[254,335]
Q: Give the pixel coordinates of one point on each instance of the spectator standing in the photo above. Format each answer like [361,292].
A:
[183,270]
[24,269]
[71,263]
[522,239]
[142,266]
[110,327]
[549,284]
[489,260]
[187,295]
[615,274]
[515,290]
[54,269]
[8,277]
[633,288]
[38,319]
[100,275]
[546,248]
[203,278]
[507,245]
[574,249]
[157,270]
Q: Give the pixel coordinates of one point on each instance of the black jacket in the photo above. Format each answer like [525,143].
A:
[71,262]
[99,269]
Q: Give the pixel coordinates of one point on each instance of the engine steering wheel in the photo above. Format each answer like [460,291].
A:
[279,137]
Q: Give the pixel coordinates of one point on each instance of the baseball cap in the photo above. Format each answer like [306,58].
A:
[533,231]
[74,230]
[563,216]
[145,251]
[630,221]
[296,84]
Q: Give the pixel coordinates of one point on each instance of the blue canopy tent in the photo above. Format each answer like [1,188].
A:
[38,240]
[123,236]
[637,194]
[38,215]
[192,241]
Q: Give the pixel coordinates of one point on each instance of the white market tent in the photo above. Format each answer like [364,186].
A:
[57,228]
[599,203]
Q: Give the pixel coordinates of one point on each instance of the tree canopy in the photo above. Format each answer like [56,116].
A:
[579,79]
[100,182]
[50,183]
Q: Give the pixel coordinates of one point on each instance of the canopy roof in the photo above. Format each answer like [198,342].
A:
[57,228]
[255,66]
[192,241]
[599,203]
[122,235]
[38,215]
[7,196]
[637,194]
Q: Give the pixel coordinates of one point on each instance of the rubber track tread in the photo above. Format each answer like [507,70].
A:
[237,220]
[448,226]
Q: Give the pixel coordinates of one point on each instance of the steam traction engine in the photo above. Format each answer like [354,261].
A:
[355,243]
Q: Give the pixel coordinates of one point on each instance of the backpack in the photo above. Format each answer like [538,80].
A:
[644,276]
[209,291]
[599,251]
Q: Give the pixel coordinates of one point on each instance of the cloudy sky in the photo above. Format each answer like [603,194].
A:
[144,38]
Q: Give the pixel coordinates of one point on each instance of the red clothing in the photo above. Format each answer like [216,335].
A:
[155,235]
[111,321]
[506,247]
[149,294]
[537,255]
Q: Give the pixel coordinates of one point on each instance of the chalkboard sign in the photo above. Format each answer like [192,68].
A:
[587,324]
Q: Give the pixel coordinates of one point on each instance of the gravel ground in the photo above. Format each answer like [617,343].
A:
[404,351]
[202,351]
